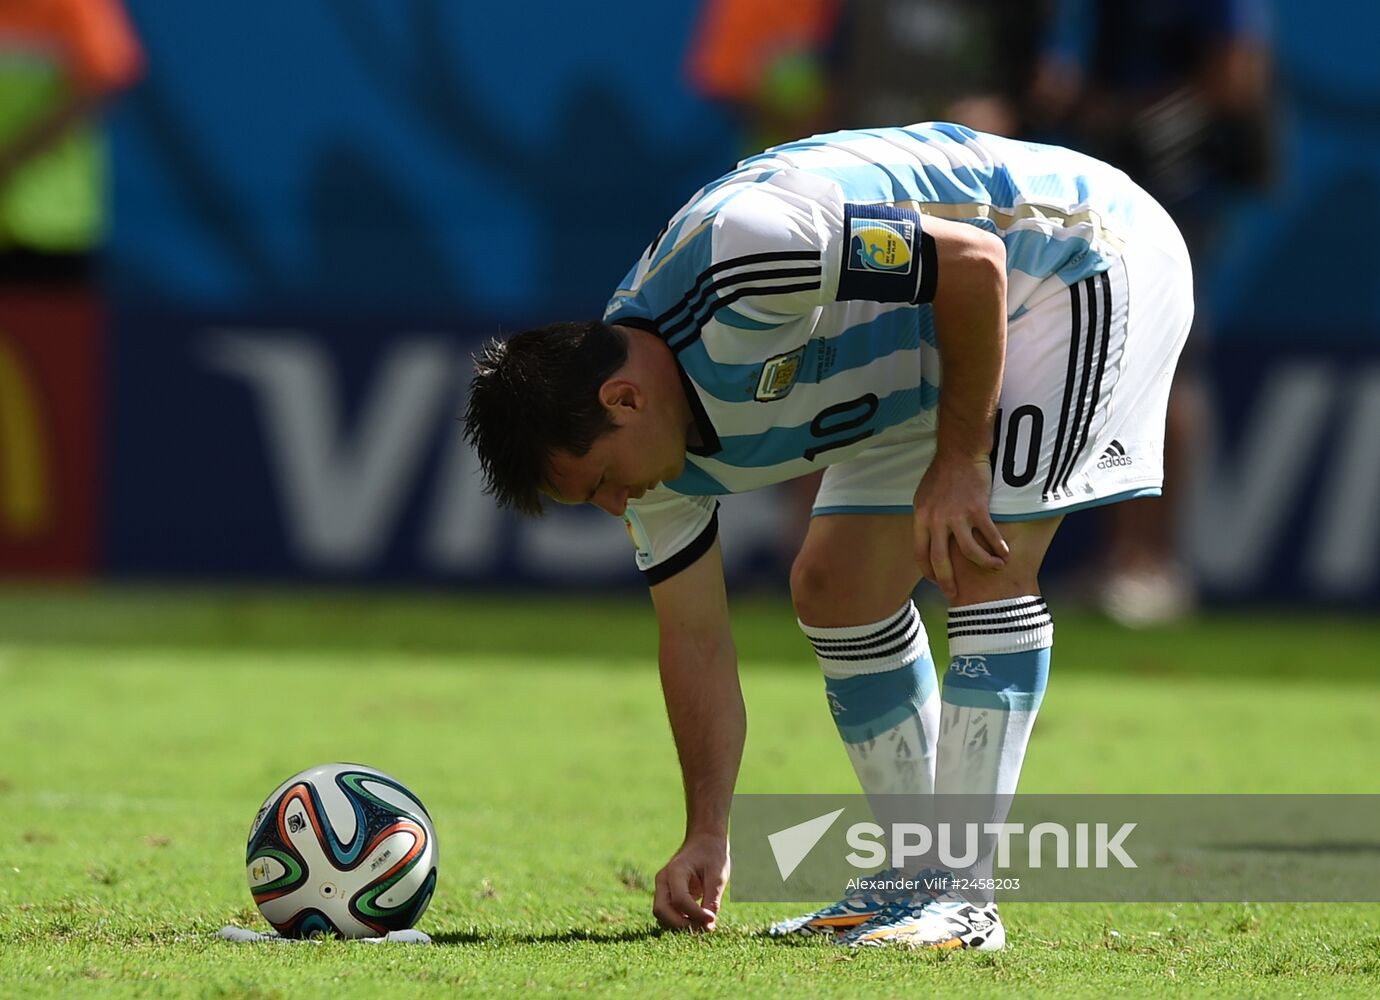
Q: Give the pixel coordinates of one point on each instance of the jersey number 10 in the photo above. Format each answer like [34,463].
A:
[837,421]
[1010,449]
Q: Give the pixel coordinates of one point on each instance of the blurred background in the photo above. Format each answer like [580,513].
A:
[246,251]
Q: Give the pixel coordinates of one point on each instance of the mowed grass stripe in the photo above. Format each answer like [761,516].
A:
[619,629]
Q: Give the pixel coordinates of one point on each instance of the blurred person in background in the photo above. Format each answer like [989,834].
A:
[787,68]
[1176,93]
[60,61]
[794,315]
[768,63]
[965,61]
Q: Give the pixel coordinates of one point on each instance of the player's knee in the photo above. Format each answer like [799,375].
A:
[815,587]
[977,585]
[1028,543]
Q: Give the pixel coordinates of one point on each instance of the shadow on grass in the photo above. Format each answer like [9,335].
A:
[610,936]
[235,618]
[619,628]
[1336,847]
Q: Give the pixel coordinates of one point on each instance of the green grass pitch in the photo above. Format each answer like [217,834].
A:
[139,731]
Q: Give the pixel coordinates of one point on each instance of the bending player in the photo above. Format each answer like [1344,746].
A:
[795,314]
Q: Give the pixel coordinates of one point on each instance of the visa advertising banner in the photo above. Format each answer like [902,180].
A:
[307,250]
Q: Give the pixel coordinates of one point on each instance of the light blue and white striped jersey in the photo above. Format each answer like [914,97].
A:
[794,293]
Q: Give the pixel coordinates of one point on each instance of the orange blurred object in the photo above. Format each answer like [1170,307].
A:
[92,37]
[737,40]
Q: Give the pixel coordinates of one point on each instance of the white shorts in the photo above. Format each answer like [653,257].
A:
[1083,402]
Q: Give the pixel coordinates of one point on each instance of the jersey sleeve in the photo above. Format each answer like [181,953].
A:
[769,248]
[792,243]
[670,531]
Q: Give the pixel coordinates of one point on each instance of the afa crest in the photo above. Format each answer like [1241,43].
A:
[970,666]
[778,376]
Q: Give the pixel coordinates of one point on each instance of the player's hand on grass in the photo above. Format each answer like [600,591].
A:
[951,503]
[691,886]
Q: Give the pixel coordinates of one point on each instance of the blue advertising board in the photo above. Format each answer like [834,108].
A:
[320,208]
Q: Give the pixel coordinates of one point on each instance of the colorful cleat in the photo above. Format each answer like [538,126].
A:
[853,910]
[946,922]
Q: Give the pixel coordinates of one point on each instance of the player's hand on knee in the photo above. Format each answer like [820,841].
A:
[690,889]
[951,506]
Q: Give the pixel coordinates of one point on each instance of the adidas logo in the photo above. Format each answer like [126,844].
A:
[1114,456]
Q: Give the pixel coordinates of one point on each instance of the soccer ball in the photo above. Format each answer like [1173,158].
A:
[341,849]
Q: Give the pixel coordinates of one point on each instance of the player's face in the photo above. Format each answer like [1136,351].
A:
[624,463]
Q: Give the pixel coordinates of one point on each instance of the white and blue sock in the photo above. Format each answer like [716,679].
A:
[998,668]
[882,690]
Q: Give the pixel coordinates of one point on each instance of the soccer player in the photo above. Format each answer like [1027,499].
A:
[796,314]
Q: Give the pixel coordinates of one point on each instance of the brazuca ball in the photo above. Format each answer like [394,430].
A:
[341,849]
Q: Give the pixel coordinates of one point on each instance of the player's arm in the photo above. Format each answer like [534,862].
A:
[953,498]
[699,677]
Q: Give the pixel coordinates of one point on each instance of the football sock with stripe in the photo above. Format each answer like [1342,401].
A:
[881,686]
[999,664]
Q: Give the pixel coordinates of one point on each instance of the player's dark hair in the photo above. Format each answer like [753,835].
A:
[534,394]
